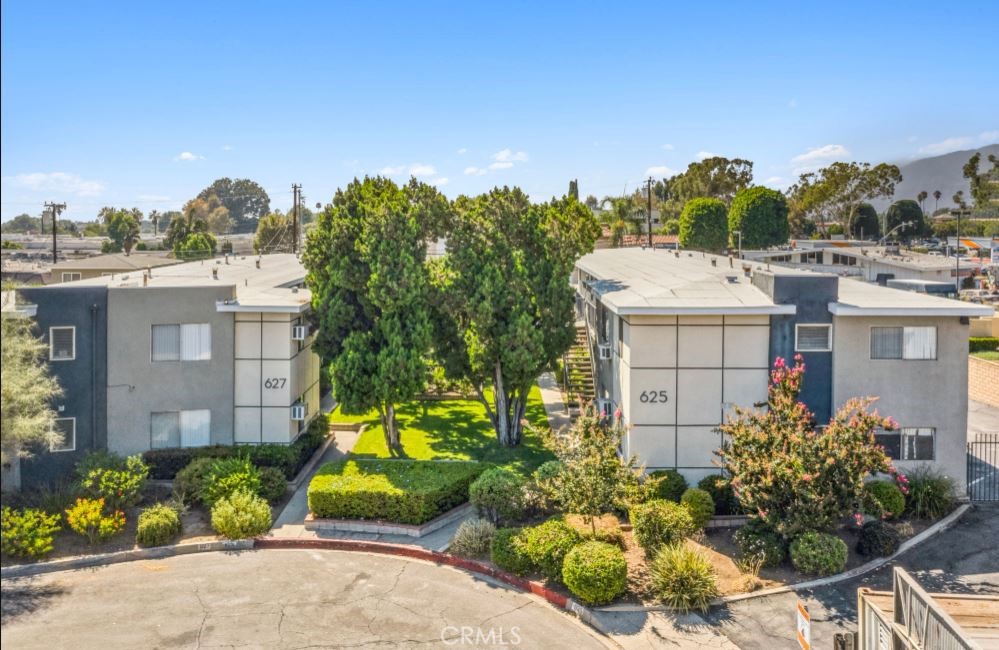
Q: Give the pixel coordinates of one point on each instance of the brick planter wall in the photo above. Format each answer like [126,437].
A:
[983,381]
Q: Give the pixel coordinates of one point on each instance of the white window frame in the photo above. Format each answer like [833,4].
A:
[72,446]
[182,414]
[828,328]
[936,341]
[180,341]
[52,356]
[79,276]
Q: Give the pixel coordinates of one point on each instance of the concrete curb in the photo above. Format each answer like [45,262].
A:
[915,540]
[103,559]
[381,527]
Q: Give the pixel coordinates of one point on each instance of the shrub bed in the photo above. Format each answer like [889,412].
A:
[720,489]
[818,554]
[227,476]
[683,578]
[885,499]
[931,494]
[290,459]
[400,491]
[547,544]
[983,344]
[757,541]
[878,539]
[660,523]
[699,504]
[498,495]
[595,573]
[27,533]
[666,484]
[473,538]
[241,515]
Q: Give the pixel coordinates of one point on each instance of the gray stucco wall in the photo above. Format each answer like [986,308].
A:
[137,386]
[916,393]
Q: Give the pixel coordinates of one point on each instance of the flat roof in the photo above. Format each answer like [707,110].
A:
[905,259]
[271,287]
[632,281]
[857,298]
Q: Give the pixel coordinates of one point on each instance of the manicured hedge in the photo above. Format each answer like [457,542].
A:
[983,344]
[165,463]
[401,491]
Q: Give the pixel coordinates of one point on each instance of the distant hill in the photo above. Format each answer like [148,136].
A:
[937,173]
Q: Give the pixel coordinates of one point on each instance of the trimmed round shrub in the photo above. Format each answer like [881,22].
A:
[273,484]
[819,554]
[227,476]
[931,494]
[666,484]
[241,515]
[699,504]
[683,578]
[547,544]
[190,480]
[720,489]
[878,539]
[704,225]
[507,553]
[157,525]
[595,573]
[498,495]
[885,499]
[473,538]
[27,533]
[660,523]
[543,480]
[758,541]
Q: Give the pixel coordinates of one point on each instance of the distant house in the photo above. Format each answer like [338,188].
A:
[106,265]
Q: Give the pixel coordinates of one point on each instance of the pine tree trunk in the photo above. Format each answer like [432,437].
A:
[390,427]
[502,409]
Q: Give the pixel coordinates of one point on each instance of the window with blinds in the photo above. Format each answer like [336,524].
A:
[180,428]
[813,338]
[908,443]
[187,342]
[903,343]
[62,343]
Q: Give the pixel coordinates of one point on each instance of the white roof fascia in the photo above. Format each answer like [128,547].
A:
[841,309]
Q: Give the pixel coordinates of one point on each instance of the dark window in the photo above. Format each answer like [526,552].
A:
[903,343]
[908,443]
[62,343]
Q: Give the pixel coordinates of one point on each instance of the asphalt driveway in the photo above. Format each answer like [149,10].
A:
[279,599]
[962,559]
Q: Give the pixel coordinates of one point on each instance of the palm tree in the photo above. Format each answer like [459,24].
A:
[936,200]
[921,197]
[154,216]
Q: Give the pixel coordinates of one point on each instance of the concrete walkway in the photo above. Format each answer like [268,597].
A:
[551,395]
[649,630]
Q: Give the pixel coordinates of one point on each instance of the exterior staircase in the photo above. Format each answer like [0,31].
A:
[578,379]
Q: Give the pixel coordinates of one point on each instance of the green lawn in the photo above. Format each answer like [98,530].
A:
[991,355]
[453,429]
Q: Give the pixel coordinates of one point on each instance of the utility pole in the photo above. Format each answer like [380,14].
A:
[55,208]
[648,195]
[957,255]
[295,189]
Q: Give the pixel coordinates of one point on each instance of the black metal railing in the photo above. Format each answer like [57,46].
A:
[983,467]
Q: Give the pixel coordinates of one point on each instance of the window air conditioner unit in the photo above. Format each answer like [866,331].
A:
[298,412]
[604,351]
[604,407]
[299,332]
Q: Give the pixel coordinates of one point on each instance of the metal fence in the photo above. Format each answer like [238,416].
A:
[983,467]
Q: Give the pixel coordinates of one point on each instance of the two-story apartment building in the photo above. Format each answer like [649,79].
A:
[206,352]
[680,338]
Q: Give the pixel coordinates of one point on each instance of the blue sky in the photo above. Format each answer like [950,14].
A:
[144,104]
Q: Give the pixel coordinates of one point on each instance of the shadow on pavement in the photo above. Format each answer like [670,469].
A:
[25,596]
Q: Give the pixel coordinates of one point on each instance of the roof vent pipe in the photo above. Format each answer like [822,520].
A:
[215,273]
[227,258]
[731,264]
[149,271]
[714,262]
[258,262]
[145,280]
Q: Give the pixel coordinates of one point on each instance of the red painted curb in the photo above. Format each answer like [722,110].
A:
[416,552]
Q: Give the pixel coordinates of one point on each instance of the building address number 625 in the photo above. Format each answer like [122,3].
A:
[653,397]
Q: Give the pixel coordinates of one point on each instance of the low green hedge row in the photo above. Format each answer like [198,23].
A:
[165,463]
[400,491]
[983,344]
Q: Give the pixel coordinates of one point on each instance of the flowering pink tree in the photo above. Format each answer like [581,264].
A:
[796,478]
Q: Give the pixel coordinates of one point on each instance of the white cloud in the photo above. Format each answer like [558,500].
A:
[440,182]
[946,145]
[507,155]
[989,136]
[774,180]
[501,165]
[57,182]
[701,155]
[227,147]
[659,170]
[475,171]
[153,198]
[187,156]
[419,169]
[463,150]
[667,147]
[391,170]
[825,152]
